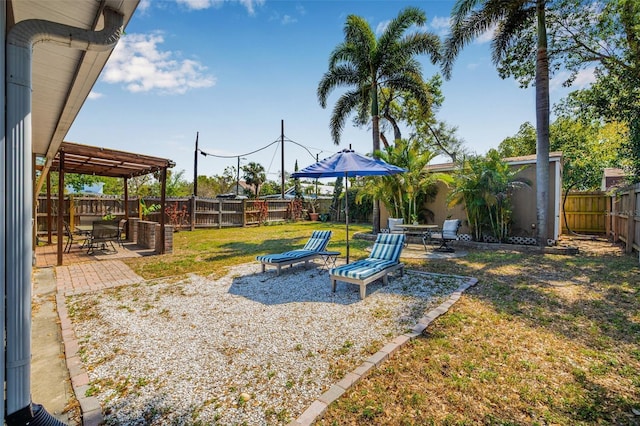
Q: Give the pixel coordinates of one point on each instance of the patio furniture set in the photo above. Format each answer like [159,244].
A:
[99,235]
[383,259]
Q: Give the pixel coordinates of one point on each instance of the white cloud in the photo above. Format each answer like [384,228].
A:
[143,6]
[250,5]
[440,24]
[382,26]
[583,79]
[287,19]
[487,36]
[142,67]
[94,95]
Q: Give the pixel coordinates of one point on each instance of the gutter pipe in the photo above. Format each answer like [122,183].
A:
[19,195]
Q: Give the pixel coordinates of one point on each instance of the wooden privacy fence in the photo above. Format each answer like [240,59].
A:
[585,212]
[209,212]
[625,217]
[615,215]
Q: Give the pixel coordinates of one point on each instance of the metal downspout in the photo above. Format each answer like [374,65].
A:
[19,190]
[3,144]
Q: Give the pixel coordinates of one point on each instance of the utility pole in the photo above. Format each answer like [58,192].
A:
[195,168]
[238,178]
[282,158]
[316,182]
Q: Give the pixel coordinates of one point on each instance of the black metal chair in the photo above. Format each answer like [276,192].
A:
[448,233]
[73,238]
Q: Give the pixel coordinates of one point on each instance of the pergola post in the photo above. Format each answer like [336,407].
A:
[49,220]
[60,215]
[163,199]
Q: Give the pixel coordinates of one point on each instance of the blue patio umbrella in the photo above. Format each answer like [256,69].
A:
[348,163]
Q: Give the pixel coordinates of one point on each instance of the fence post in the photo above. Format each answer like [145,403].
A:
[631,220]
[220,213]
[72,214]
[244,213]
[193,212]
[609,217]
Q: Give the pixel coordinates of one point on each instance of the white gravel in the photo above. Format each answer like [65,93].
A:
[250,348]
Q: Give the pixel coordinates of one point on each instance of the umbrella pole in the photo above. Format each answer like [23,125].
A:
[346,209]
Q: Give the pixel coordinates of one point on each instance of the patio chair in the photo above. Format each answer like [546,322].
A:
[104,233]
[315,247]
[122,232]
[80,238]
[449,232]
[384,259]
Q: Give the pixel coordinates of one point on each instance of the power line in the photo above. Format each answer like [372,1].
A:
[206,154]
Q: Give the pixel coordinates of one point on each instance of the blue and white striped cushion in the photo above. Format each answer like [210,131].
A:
[362,268]
[318,241]
[387,247]
[283,257]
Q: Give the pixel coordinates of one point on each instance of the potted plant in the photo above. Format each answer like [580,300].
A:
[313,214]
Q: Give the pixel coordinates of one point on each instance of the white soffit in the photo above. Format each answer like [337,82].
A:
[62,77]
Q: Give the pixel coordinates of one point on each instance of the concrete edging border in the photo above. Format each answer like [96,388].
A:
[90,409]
[320,405]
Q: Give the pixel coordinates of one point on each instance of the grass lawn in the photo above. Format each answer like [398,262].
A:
[212,251]
[541,339]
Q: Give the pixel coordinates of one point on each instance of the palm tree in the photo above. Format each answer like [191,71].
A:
[365,64]
[511,19]
[255,176]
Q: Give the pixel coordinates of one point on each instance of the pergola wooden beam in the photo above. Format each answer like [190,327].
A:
[96,161]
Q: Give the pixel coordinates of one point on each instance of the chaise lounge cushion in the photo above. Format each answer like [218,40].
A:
[286,256]
[361,269]
[316,244]
[384,258]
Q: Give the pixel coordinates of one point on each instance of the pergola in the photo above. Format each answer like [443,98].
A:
[96,161]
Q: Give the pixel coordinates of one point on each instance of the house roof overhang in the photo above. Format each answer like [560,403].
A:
[62,78]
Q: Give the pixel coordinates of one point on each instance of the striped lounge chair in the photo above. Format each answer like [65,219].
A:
[384,258]
[312,249]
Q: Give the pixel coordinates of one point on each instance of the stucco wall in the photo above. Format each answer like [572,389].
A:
[523,200]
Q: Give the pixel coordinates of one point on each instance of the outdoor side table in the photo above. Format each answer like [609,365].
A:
[329,258]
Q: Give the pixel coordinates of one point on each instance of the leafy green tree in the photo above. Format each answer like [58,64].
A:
[365,64]
[587,149]
[423,125]
[607,35]
[73,180]
[514,54]
[522,143]
[255,176]
[270,187]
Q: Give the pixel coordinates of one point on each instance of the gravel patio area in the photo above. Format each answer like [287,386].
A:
[249,348]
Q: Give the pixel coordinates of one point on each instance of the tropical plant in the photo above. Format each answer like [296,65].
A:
[484,185]
[365,64]
[403,194]
[255,176]
[514,53]
[147,210]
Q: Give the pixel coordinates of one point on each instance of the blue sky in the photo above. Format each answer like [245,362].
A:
[233,69]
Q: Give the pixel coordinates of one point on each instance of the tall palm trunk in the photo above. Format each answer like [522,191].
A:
[375,125]
[542,126]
